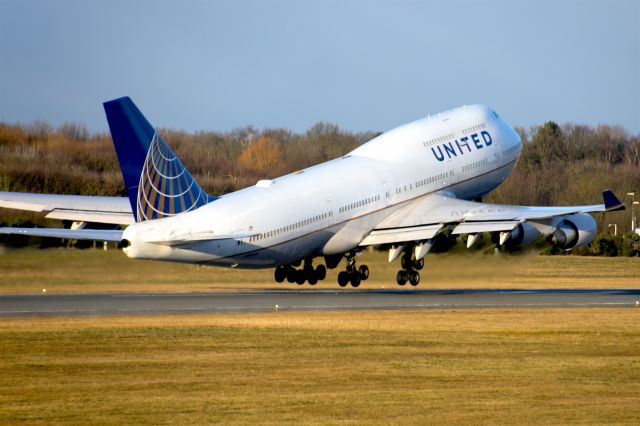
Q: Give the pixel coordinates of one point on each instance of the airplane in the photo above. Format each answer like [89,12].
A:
[400,190]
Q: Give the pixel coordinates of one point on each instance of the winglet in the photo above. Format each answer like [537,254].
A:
[611,202]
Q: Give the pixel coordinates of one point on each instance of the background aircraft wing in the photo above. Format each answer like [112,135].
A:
[422,219]
[78,208]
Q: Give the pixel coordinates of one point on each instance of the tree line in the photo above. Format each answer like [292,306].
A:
[560,164]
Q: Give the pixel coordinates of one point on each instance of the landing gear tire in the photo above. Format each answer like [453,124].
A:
[280,274]
[291,275]
[355,279]
[414,278]
[405,261]
[312,280]
[300,277]
[343,279]
[418,264]
[402,277]
[321,272]
[363,271]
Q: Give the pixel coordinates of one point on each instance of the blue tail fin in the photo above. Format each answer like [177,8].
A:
[158,185]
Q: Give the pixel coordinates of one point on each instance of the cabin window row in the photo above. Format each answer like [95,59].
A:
[292,227]
[450,136]
[431,179]
[475,164]
[438,140]
[475,128]
[360,203]
[511,150]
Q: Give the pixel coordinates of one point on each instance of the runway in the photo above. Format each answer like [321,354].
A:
[309,300]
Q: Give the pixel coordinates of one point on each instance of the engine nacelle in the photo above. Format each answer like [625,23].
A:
[573,231]
[521,235]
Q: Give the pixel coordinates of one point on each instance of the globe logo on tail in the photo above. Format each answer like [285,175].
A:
[166,187]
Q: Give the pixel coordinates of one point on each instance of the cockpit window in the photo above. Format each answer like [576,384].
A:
[495,114]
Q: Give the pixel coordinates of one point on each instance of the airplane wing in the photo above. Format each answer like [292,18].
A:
[423,219]
[77,208]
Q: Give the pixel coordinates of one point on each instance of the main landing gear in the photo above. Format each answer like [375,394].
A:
[352,274]
[410,267]
[300,276]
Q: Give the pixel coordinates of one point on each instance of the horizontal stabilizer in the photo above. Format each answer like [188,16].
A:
[114,235]
[77,208]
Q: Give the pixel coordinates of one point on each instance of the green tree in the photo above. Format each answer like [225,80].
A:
[548,144]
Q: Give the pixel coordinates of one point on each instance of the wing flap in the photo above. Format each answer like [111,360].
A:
[396,235]
[477,227]
[72,234]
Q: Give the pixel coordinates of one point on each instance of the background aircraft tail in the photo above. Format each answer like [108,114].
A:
[158,184]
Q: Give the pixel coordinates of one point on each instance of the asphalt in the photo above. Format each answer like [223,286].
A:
[310,300]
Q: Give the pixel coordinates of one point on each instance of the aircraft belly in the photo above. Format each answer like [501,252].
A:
[256,257]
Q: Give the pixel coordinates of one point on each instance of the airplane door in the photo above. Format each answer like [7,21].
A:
[386,197]
[328,209]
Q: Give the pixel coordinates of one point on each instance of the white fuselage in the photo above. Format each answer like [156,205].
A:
[329,208]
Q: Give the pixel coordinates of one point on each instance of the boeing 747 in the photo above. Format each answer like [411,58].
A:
[399,191]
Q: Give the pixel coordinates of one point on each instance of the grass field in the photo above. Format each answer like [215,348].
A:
[531,366]
[68,270]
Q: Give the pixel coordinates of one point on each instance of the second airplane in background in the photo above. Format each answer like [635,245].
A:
[399,190]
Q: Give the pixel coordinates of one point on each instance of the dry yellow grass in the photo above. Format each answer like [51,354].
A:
[67,270]
[544,366]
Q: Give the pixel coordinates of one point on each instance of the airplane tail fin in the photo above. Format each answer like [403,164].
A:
[158,184]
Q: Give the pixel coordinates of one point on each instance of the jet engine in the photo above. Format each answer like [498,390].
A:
[573,231]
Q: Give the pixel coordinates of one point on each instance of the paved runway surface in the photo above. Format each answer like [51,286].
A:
[309,300]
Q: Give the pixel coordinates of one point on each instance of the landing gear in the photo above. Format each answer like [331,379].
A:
[300,276]
[353,274]
[410,267]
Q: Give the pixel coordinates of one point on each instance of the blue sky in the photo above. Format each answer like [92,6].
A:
[365,65]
